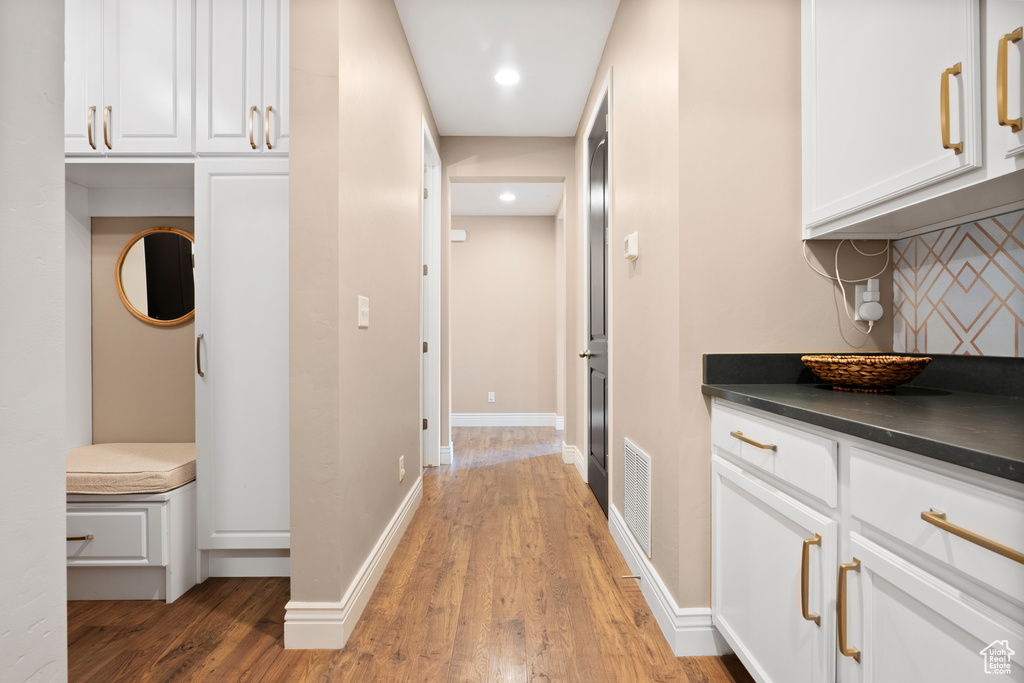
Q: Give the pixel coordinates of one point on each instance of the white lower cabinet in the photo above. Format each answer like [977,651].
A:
[905,581]
[773,587]
[908,626]
[242,349]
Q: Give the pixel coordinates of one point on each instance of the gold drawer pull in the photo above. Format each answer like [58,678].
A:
[958,147]
[267,127]
[87,537]
[1001,79]
[805,579]
[745,439]
[841,611]
[106,126]
[89,117]
[938,519]
[252,110]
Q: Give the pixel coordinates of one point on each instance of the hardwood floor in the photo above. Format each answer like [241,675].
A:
[507,573]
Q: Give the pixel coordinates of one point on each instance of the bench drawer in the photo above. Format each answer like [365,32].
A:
[800,458]
[891,496]
[121,534]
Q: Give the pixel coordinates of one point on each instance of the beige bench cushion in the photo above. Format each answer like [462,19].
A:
[131,467]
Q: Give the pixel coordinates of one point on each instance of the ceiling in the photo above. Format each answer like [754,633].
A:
[459,45]
[481,199]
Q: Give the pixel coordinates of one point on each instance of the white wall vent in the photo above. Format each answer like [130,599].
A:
[638,495]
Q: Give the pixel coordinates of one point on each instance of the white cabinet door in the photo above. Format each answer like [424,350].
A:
[242,315]
[758,555]
[242,77]
[910,627]
[872,79]
[1004,18]
[228,75]
[275,76]
[147,76]
[83,76]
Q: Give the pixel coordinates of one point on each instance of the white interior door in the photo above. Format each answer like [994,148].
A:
[275,76]
[758,536]
[147,76]
[242,313]
[83,76]
[228,75]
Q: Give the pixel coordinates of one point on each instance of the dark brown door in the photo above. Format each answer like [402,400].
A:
[597,333]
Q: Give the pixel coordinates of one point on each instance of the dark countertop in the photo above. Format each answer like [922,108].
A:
[981,431]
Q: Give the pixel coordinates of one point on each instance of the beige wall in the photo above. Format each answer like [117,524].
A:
[710,176]
[480,158]
[143,386]
[354,217]
[503,314]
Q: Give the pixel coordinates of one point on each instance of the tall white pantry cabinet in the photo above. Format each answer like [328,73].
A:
[205,83]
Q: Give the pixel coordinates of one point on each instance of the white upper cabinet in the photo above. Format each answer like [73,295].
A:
[891,101]
[128,77]
[242,77]
[1004,76]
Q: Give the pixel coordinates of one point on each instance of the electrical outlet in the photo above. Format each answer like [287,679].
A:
[401,469]
[490,397]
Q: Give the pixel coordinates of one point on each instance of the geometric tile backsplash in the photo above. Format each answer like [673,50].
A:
[961,290]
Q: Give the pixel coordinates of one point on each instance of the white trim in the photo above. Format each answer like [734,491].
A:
[430,298]
[446,454]
[327,625]
[689,631]
[560,422]
[581,464]
[250,562]
[503,419]
[568,453]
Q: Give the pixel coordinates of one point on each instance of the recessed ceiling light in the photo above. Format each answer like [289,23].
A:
[507,77]
[507,197]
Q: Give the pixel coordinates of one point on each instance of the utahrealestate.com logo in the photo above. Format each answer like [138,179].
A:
[997,657]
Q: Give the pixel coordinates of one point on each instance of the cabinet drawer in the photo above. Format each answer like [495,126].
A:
[891,496]
[121,535]
[805,460]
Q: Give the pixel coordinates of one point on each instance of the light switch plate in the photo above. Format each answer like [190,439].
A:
[364,311]
[490,397]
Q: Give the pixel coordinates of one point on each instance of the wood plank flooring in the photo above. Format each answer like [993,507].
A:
[507,573]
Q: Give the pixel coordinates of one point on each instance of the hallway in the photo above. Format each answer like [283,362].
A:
[507,573]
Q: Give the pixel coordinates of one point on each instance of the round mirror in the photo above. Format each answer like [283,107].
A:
[155,276]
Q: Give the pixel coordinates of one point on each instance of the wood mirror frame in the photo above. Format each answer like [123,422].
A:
[120,285]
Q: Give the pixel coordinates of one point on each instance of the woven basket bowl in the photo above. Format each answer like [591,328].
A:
[871,374]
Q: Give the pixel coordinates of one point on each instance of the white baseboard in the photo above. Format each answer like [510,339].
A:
[256,562]
[327,625]
[446,454]
[581,464]
[689,631]
[568,453]
[504,419]
[560,423]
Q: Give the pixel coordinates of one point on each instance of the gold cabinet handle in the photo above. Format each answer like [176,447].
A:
[106,126]
[252,110]
[938,519]
[1001,78]
[87,537]
[585,354]
[841,611]
[90,116]
[267,127]
[199,360]
[958,148]
[746,439]
[805,579]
